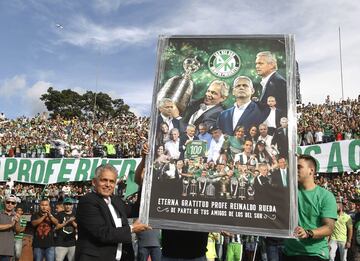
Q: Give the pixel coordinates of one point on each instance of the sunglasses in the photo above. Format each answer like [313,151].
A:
[11,202]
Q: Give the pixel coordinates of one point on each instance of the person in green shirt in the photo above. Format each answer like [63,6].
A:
[20,236]
[317,214]
[342,235]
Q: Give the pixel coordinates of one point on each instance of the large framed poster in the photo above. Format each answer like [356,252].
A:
[222,142]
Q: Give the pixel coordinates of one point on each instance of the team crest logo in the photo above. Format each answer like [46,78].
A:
[224,63]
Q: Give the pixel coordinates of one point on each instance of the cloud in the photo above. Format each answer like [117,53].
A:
[141,109]
[32,97]
[107,6]
[82,32]
[13,86]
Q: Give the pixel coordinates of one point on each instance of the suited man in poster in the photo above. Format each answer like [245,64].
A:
[207,110]
[280,176]
[166,107]
[274,115]
[280,138]
[273,84]
[245,112]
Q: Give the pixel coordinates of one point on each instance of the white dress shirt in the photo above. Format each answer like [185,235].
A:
[238,112]
[203,108]
[168,121]
[215,147]
[271,119]
[118,223]
[283,177]
[172,147]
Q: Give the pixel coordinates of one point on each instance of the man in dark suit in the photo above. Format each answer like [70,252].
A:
[274,115]
[207,110]
[166,108]
[103,229]
[273,84]
[245,112]
[281,139]
[263,181]
[280,176]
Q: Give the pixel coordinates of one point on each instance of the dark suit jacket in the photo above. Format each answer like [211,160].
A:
[251,116]
[175,122]
[276,179]
[98,236]
[281,140]
[276,87]
[263,187]
[278,115]
[208,118]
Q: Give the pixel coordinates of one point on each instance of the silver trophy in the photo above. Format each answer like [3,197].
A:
[185,187]
[210,189]
[193,187]
[234,183]
[180,88]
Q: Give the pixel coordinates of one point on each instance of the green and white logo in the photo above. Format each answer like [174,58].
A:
[224,63]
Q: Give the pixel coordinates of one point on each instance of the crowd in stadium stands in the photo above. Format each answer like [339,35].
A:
[123,137]
[327,122]
[40,137]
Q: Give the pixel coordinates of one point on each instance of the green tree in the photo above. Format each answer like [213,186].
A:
[68,104]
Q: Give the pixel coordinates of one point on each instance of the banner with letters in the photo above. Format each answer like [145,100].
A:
[336,156]
[209,170]
[48,171]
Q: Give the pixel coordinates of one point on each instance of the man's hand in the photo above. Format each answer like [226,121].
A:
[70,220]
[226,233]
[145,150]
[138,227]
[300,232]
[347,245]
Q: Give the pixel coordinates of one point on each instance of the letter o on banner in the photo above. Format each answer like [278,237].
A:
[38,170]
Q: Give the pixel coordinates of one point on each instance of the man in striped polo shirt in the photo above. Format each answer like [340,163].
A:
[20,236]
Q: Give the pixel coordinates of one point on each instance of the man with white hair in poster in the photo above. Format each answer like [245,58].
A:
[273,84]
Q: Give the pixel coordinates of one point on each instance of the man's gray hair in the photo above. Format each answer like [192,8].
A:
[245,78]
[162,102]
[191,126]
[174,129]
[270,57]
[102,168]
[224,91]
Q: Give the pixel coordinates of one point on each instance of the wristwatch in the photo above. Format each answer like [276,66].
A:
[309,233]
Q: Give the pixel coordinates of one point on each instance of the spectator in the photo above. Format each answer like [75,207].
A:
[43,238]
[20,236]
[9,223]
[342,236]
[65,232]
[313,228]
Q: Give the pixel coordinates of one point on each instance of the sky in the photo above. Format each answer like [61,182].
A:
[110,45]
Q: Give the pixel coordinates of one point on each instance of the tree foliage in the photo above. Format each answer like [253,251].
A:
[68,104]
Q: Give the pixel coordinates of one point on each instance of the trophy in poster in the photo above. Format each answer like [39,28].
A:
[242,185]
[224,182]
[251,192]
[234,183]
[185,184]
[210,189]
[180,88]
[202,181]
[193,187]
